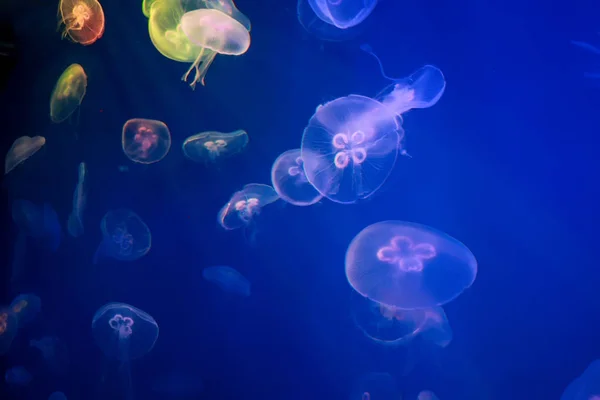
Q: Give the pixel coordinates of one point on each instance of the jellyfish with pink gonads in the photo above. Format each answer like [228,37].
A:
[83,20]
[289,179]
[245,205]
[145,141]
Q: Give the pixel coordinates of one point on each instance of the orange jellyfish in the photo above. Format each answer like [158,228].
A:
[146,141]
[68,93]
[83,20]
[8,329]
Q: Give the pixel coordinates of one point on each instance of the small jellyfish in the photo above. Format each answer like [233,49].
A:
[54,353]
[290,182]
[75,221]
[245,204]
[68,93]
[212,146]
[17,376]
[57,396]
[321,29]
[83,20]
[214,32]
[145,141]
[427,395]
[343,13]
[408,266]
[350,147]
[125,236]
[374,386]
[26,307]
[586,386]
[228,279]
[22,148]
[9,325]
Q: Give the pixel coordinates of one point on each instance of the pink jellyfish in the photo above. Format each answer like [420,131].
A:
[145,141]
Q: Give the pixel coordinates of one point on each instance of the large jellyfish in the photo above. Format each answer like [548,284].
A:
[225,6]
[245,204]
[54,352]
[83,20]
[343,13]
[75,221]
[125,236]
[22,148]
[68,93]
[408,266]
[145,141]
[124,332]
[26,307]
[290,182]
[228,279]
[147,7]
[215,32]
[586,386]
[9,325]
[212,146]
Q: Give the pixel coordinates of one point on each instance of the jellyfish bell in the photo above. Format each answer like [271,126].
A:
[343,14]
[83,20]
[216,33]
[212,146]
[227,279]
[245,204]
[320,29]
[22,148]
[145,141]
[350,147]
[126,237]
[26,307]
[9,325]
[408,266]
[289,179]
[68,93]
[225,6]
[427,395]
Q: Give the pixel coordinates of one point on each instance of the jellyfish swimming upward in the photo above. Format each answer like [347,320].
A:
[83,20]
[68,93]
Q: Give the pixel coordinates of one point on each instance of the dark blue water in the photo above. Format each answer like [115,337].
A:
[506,162]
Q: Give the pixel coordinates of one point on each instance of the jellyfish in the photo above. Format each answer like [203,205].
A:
[290,182]
[75,221]
[214,32]
[22,148]
[26,307]
[124,332]
[126,236]
[147,7]
[17,376]
[592,49]
[225,6]
[408,266]
[245,204]
[83,20]
[57,396]
[427,395]
[321,29]
[54,353]
[145,141]
[9,325]
[68,93]
[211,146]
[375,385]
[586,386]
[228,279]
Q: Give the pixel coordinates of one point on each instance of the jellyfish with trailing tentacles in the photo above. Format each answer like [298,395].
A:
[83,20]
[289,179]
[26,307]
[228,279]
[75,221]
[343,14]
[124,332]
[212,146]
[126,236]
[22,148]
[145,141]
[9,325]
[68,93]
[246,204]
[403,265]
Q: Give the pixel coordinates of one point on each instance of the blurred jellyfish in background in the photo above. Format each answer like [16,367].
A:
[211,146]
[68,93]
[83,20]
[427,395]
[375,385]
[57,396]
[321,29]
[586,386]
[228,279]
[145,141]
[290,182]
[54,353]
[590,48]
[26,307]
[9,326]
[124,332]
[245,205]
[342,14]
[18,376]
[22,148]
[408,266]
[125,236]
[178,384]
[75,221]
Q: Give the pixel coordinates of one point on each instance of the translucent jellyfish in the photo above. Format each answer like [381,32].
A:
[245,204]
[343,13]
[427,395]
[321,29]
[350,147]
[228,279]
[392,326]
[216,33]
[592,49]
[26,307]
[225,6]
[17,376]
[408,266]
[75,221]
[290,182]
[586,386]
[374,386]
[147,6]
[57,396]
[212,146]
[54,353]
[83,20]
[22,148]
[125,236]
[145,141]
[9,325]
[68,93]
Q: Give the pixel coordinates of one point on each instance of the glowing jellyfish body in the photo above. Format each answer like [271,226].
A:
[228,279]
[68,93]
[212,146]
[9,325]
[350,147]
[75,221]
[26,307]
[321,29]
[147,6]
[408,266]
[54,353]
[214,32]
[57,396]
[225,6]
[427,395]
[83,20]
[17,376]
[290,181]
[343,14]
[145,141]
[245,204]
[126,236]
[586,386]
[22,148]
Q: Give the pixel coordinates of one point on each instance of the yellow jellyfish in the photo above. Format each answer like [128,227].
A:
[23,148]
[147,6]
[83,20]
[68,93]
